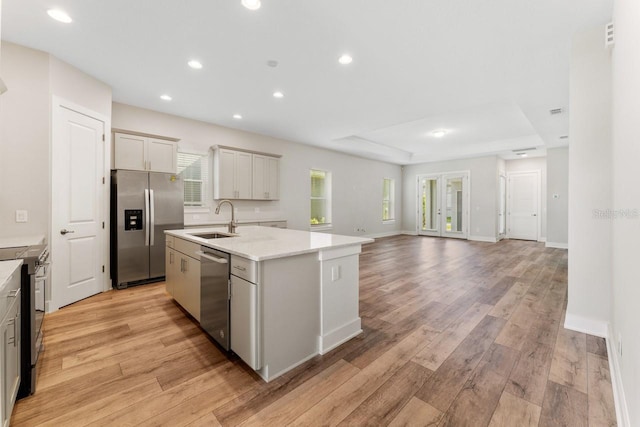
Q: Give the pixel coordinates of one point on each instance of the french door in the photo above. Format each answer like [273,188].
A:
[443,205]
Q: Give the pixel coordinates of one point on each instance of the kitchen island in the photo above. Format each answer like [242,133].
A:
[295,294]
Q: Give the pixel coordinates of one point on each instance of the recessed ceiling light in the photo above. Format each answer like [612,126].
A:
[439,133]
[345,59]
[196,65]
[59,15]
[237,116]
[278,94]
[251,4]
[165,97]
[522,154]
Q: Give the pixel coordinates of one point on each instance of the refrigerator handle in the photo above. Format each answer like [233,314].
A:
[146,217]
[153,218]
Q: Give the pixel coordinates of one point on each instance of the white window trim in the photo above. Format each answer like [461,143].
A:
[328,197]
[206,183]
[392,200]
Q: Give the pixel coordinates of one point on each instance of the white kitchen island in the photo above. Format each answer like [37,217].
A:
[306,291]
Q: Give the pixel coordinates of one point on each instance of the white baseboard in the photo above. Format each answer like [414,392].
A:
[542,239]
[483,239]
[385,234]
[622,411]
[409,233]
[338,336]
[599,328]
[556,245]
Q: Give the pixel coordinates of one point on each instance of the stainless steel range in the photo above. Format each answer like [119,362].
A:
[34,279]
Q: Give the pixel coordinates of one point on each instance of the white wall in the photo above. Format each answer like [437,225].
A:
[24,140]
[589,184]
[626,195]
[357,182]
[32,77]
[557,208]
[534,164]
[483,191]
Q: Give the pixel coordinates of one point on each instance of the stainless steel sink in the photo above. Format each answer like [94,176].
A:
[214,235]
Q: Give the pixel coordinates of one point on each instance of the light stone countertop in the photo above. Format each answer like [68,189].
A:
[14,242]
[263,243]
[7,268]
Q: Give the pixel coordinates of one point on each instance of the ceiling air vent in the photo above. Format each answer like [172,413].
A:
[523,149]
[555,111]
[609,38]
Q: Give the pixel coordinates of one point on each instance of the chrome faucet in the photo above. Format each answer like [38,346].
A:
[232,224]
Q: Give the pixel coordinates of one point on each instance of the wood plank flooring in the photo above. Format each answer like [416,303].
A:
[456,333]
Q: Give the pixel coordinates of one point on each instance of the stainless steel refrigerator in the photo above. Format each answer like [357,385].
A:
[143,205]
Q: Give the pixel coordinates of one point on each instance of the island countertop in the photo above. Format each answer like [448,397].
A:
[263,243]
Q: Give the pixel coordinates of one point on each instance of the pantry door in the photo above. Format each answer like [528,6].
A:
[78,193]
[523,199]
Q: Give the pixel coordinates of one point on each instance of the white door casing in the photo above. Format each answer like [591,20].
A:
[523,217]
[78,204]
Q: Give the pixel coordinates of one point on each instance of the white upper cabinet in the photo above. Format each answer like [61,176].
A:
[243,174]
[266,177]
[145,153]
[232,174]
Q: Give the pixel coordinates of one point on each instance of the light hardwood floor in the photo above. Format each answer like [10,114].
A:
[456,333]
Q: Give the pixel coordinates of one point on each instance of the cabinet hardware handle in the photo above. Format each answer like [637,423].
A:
[239,268]
[14,293]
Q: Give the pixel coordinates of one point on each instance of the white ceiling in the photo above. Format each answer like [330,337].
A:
[487,71]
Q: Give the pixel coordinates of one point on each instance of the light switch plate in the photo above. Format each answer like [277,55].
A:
[22,216]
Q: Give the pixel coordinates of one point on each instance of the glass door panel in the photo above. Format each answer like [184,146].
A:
[429,211]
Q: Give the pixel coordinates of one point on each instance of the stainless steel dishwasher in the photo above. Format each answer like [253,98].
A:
[214,294]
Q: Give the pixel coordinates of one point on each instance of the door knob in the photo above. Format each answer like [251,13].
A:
[65,231]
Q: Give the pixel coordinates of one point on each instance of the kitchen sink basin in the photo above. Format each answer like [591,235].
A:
[214,235]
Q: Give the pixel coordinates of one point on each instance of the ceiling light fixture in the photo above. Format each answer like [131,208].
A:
[165,97]
[237,116]
[251,4]
[345,59]
[59,15]
[522,154]
[278,94]
[439,133]
[196,65]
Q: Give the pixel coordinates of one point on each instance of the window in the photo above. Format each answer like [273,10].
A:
[193,170]
[388,189]
[320,197]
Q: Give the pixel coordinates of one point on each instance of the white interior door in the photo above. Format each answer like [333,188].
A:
[77,206]
[442,205]
[523,195]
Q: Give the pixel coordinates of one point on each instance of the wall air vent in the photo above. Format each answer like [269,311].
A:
[520,150]
[564,137]
[609,39]
[556,111]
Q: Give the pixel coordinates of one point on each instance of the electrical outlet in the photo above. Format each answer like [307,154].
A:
[196,217]
[22,216]
[256,210]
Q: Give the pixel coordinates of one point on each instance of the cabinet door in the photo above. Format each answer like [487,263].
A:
[225,174]
[272,177]
[162,155]
[244,327]
[192,281]
[171,269]
[129,152]
[179,283]
[11,359]
[243,174]
[260,185]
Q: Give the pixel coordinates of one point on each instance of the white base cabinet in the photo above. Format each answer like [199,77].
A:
[10,350]
[244,321]
[182,271]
